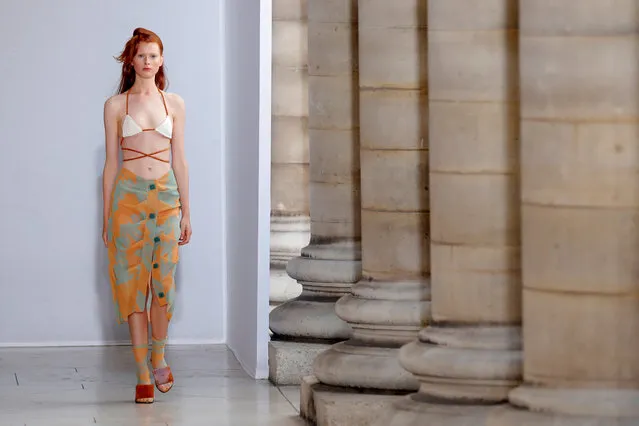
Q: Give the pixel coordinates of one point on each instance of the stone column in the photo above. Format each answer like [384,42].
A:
[290,222]
[580,213]
[389,305]
[328,266]
[470,354]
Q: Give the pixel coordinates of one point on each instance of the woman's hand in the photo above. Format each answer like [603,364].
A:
[185,230]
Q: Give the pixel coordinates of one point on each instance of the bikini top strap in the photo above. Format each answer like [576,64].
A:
[164,102]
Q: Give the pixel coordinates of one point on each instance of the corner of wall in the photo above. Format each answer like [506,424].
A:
[223,143]
[264,203]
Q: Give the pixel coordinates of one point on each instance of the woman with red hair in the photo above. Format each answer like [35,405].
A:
[146,203]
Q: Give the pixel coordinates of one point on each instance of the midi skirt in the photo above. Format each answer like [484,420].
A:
[143,234]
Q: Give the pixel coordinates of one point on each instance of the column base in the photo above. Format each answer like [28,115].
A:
[288,235]
[289,361]
[282,287]
[415,410]
[617,403]
[512,416]
[352,365]
[308,317]
[465,364]
[324,405]
[307,325]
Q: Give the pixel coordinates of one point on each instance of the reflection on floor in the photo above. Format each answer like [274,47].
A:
[85,386]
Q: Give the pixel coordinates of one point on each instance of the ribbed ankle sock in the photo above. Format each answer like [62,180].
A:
[157,352]
[140,353]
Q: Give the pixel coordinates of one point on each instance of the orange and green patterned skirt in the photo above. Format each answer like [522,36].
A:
[143,234]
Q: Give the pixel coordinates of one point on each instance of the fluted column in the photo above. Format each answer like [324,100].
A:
[580,213]
[328,266]
[290,221]
[470,354]
[387,307]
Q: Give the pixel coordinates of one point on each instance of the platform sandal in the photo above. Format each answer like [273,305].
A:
[163,379]
[144,394]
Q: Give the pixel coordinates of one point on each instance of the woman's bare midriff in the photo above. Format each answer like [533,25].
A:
[147,167]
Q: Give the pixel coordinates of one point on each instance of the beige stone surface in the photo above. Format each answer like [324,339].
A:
[471,353]
[330,263]
[307,404]
[394,145]
[289,189]
[308,317]
[290,224]
[290,183]
[287,128]
[288,362]
[289,10]
[509,416]
[388,306]
[481,15]
[335,159]
[333,119]
[580,210]
[531,158]
[346,409]
[352,365]
[473,102]
[592,18]
[383,313]
[328,406]
[423,412]
[414,410]
[409,111]
[333,12]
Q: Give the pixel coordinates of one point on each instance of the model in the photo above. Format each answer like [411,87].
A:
[146,203]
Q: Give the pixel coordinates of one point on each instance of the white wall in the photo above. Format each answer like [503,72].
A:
[56,70]
[248,164]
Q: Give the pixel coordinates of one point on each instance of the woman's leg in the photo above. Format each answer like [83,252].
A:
[159,331]
[139,329]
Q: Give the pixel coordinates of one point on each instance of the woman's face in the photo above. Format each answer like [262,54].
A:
[148,60]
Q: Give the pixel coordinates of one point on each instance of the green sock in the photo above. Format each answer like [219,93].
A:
[157,352]
[140,353]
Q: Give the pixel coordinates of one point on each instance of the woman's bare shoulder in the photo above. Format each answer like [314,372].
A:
[114,104]
[175,101]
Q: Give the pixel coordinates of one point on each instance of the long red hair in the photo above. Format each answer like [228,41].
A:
[140,35]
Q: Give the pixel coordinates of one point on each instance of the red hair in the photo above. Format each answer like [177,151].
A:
[140,35]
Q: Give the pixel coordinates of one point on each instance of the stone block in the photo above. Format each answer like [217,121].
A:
[288,362]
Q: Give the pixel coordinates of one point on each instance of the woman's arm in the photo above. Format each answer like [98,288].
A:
[111,159]
[180,167]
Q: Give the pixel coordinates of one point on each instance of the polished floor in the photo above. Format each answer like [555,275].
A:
[88,386]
